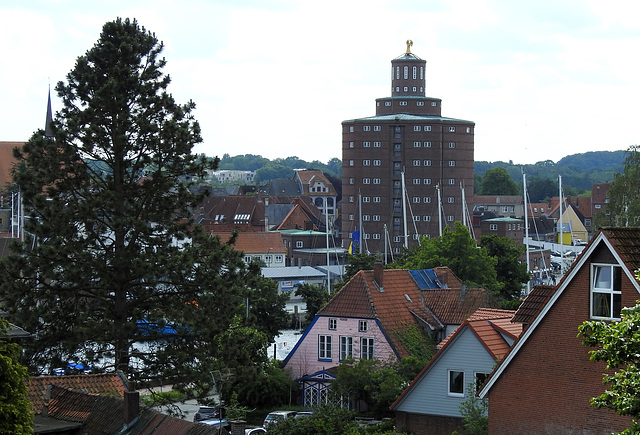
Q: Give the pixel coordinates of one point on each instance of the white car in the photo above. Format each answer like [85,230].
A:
[276,416]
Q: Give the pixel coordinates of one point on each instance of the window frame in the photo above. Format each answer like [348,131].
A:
[325,351]
[367,348]
[458,384]
[613,291]
[345,349]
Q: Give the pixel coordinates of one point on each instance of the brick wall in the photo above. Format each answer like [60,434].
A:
[427,424]
[546,388]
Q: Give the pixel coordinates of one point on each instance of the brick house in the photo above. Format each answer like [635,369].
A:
[545,382]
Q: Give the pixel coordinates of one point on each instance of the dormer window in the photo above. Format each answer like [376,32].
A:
[606,295]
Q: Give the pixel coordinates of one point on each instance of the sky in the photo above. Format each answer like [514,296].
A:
[541,80]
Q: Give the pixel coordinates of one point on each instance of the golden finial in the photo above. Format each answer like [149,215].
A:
[409,44]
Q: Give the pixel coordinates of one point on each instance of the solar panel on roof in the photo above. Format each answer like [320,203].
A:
[426,279]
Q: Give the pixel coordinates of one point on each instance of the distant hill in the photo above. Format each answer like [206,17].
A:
[577,170]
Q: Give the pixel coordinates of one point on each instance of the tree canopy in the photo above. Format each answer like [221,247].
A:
[624,203]
[457,250]
[15,409]
[497,181]
[618,345]
[112,249]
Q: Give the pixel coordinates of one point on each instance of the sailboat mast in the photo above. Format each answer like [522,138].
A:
[560,210]
[526,227]
[439,211]
[326,230]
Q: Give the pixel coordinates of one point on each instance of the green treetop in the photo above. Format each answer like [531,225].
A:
[114,272]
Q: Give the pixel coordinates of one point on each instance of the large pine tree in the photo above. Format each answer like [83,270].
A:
[114,273]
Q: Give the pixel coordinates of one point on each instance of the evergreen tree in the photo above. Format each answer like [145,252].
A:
[116,274]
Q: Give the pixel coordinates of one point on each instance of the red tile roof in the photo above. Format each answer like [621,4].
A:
[400,303]
[533,303]
[256,242]
[499,319]
[626,242]
[102,384]
[308,177]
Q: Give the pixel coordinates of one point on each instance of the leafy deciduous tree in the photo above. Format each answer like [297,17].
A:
[618,345]
[118,275]
[314,297]
[510,272]
[497,181]
[624,203]
[15,409]
[457,250]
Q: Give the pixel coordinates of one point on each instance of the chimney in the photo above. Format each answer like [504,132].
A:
[378,273]
[131,406]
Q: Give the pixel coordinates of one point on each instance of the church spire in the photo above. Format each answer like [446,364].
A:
[48,128]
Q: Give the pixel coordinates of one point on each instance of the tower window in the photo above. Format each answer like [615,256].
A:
[366,128]
[376,144]
[406,72]
[415,73]
[427,128]
[387,103]
[452,129]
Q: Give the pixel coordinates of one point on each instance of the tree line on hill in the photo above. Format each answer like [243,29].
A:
[578,172]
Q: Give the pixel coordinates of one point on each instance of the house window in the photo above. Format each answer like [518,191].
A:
[346,347]
[333,324]
[279,258]
[456,383]
[247,259]
[324,347]
[299,244]
[362,325]
[481,378]
[366,348]
[493,227]
[605,291]
[268,259]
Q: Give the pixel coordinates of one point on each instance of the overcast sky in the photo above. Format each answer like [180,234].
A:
[541,79]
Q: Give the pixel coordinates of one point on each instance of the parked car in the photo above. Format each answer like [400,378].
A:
[206,412]
[305,413]
[276,416]
[255,431]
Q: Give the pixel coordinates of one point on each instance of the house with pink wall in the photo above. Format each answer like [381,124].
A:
[370,317]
